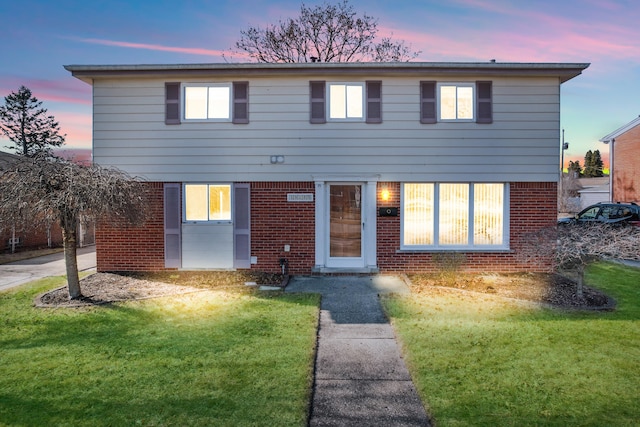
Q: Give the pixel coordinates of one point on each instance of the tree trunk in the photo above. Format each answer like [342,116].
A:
[13,239]
[580,281]
[71,262]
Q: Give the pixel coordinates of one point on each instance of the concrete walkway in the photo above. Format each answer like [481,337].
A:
[360,378]
[20,272]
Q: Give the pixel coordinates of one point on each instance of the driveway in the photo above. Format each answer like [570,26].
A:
[20,272]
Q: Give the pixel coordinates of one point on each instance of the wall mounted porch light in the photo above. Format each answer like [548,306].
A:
[385,194]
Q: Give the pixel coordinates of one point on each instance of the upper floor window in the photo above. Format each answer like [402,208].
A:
[207,102]
[456,101]
[222,102]
[337,101]
[346,101]
[460,102]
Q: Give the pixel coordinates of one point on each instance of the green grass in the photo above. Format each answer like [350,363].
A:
[482,361]
[211,358]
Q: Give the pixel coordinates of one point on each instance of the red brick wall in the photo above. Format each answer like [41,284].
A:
[122,247]
[31,237]
[626,173]
[276,222]
[533,207]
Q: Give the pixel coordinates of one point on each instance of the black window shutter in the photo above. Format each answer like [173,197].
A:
[240,102]
[374,102]
[317,97]
[484,103]
[428,110]
[172,103]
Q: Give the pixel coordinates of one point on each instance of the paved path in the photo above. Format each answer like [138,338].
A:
[20,272]
[360,378]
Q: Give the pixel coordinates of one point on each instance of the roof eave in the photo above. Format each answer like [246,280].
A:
[564,71]
[616,133]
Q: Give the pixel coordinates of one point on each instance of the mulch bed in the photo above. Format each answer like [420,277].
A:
[102,288]
[548,289]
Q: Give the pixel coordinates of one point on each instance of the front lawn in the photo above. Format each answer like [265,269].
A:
[478,360]
[216,357]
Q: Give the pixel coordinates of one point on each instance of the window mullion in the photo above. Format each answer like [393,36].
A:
[206,103]
[436,214]
[208,202]
[471,221]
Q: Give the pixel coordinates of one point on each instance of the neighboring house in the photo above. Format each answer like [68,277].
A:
[624,162]
[22,236]
[331,167]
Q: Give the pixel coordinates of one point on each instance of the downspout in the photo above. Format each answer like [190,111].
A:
[613,140]
[611,161]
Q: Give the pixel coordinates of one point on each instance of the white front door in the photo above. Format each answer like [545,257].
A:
[345,218]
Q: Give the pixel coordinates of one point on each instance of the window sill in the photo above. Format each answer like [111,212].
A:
[440,249]
[212,222]
[186,121]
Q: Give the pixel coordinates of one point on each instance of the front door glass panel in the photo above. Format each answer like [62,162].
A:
[345,228]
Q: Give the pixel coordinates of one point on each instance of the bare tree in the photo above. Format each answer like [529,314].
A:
[27,125]
[581,244]
[572,247]
[44,188]
[324,33]
[568,194]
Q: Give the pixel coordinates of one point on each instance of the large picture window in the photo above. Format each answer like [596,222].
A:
[207,202]
[454,216]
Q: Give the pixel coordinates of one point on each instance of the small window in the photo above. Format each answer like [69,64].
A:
[346,101]
[207,202]
[207,102]
[456,101]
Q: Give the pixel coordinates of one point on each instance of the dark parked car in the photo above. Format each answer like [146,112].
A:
[607,213]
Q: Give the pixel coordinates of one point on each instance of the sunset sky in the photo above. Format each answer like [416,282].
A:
[40,36]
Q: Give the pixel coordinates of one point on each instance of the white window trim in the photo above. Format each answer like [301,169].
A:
[436,218]
[207,222]
[183,87]
[474,97]
[346,119]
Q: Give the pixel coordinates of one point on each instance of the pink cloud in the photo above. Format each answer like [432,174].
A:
[77,127]
[146,46]
[516,33]
[67,91]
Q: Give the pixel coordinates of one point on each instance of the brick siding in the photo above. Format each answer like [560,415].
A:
[276,223]
[122,247]
[533,211]
[626,173]
[31,237]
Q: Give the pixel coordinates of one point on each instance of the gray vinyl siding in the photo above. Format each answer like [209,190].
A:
[520,145]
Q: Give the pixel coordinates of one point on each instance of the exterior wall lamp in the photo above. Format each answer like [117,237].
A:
[385,194]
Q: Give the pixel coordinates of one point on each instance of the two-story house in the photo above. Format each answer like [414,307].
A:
[347,167]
